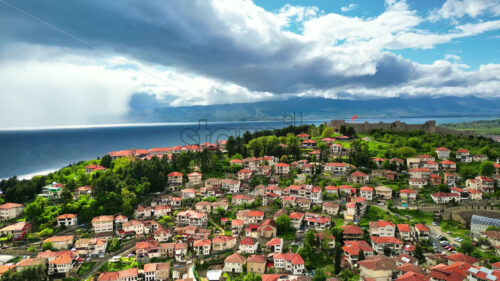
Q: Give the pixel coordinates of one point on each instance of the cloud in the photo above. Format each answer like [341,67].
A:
[452,57]
[348,8]
[454,9]
[220,51]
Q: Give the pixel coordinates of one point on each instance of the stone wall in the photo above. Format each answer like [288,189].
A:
[397,126]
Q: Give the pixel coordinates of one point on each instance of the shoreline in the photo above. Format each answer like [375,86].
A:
[31,175]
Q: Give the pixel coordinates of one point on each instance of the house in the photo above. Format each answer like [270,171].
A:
[359,177]
[404,232]
[147,249]
[267,229]
[250,216]
[244,174]
[120,219]
[10,211]
[332,189]
[403,259]
[161,211]
[162,235]
[134,226]
[352,250]
[475,194]
[382,228]
[52,191]
[30,263]
[275,245]
[157,271]
[195,178]
[237,226]
[60,265]
[366,192]
[383,192]
[422,231]
[463,155]
[87,247]
[481,183]
[297,219]
[290,263]
[352,232]
[336,149]
[18,230]
[223,243]
[408,194]
[282,168]
[448,166]
[249,245]
[412,276]
[318,222]
[188,193]
[240,199]
[379,268]
[459,257]
[191,217]
[93,168]
[131,274]
[303,136]
[434,180]
[419,173]
[178,251]
[257,264]
[336,168]
[330,208]
[60,242]
[328,239]
[355,209]
[443,152]
[309,144]
[455,271]
[67,220]
[202,247]
[103,225]
[232,185]
[234,263]
[82,191]
[418,183]
[381,242]
[175,178]
[445,197]
[450,179]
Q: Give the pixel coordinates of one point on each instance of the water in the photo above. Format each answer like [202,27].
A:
[35,151]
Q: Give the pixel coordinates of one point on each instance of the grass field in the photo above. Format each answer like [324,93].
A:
[456,229]
[491,127]
[417,216]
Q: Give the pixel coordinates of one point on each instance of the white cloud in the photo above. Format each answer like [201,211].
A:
[348,8]
[453,9]
[224,52]
[451,57]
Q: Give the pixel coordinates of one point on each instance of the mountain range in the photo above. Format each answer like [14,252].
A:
[145,108]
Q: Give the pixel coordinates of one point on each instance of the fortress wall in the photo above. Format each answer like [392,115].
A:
[397,126]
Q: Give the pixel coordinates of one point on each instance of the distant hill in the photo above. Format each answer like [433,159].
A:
[483,127]
[145,108]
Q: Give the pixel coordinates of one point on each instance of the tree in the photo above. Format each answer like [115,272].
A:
[361,255]
[106,161]
[387,251]
[338,258]
[114,245]
[284,224]
[406,151]
[466,247]
[327,132]
[319,275]
[47,246]
[419,254]
[347,274]
[487,169]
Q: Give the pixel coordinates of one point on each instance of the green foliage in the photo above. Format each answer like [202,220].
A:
[85,268]
[487,169]
[37,273]
[47,246]
[284,225]
[466,247]
[106,161]
[114,245]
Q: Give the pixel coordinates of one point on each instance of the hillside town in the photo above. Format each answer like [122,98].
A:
[312,204]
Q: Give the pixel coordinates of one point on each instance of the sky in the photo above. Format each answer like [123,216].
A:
[68,62]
